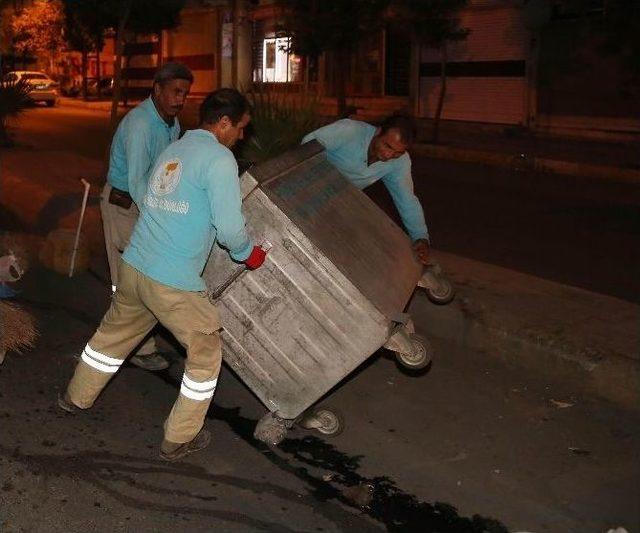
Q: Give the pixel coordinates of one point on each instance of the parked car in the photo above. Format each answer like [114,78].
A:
[42,87]
[106,87]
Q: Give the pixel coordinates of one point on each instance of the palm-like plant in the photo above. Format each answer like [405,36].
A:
[14,99]
[279,121]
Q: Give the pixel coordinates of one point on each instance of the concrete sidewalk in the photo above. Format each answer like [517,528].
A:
[519,149]
[503,146]
[42,191]
[562,332]
[95,105]
[542,326]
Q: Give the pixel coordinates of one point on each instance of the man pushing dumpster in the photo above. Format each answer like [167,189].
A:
[193,200]
[365,154]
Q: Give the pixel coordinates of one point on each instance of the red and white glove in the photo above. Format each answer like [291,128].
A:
[256,258]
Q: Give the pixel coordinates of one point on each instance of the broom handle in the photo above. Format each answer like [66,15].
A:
[77,241]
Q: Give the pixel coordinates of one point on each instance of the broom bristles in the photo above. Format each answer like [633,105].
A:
[18,330]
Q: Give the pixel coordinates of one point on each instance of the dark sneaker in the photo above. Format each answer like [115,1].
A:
[172,451]
[153,361]
[65,403]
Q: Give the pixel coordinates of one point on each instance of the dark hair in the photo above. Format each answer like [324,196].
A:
[404,124]
[221,103]
[172,71]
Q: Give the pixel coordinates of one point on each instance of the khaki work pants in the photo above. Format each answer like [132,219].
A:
[118,224]
[137,306]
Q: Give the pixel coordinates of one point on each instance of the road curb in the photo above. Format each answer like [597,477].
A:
[518,162]
[533,343]
[81,104]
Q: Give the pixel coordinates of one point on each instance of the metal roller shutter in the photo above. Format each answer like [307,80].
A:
[486,73]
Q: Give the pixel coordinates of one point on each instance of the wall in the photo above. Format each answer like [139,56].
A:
[196,44]
[486,72]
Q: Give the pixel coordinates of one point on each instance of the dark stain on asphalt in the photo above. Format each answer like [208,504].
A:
[388,504]
[108,472]
[396,509]
[70,311]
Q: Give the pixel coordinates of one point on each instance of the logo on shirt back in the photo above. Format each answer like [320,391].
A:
[166,177]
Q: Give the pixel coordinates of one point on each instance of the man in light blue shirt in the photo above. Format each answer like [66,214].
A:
[365,154]
[193,199]
[140,138]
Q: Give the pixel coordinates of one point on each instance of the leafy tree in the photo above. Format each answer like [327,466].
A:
[435,24]
[577,35]
[621,28]
[14,99]
[138,17]
[85,25]
[38,30]
[318,26]
[87,21]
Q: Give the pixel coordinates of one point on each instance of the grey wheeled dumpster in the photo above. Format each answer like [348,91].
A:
[331,292]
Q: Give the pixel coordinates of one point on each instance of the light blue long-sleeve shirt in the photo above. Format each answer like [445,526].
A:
[192,200]
[141,137]
[347,143]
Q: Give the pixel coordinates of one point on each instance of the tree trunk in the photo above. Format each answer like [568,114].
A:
[117,71]
[443,91]
[340,58]
[84,73]
[98,73]
[125,93]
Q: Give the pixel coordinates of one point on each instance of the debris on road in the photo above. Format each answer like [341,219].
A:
[359,495]
[561,405]
[579,451]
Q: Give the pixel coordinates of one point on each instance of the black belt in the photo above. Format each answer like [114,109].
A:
[120,198]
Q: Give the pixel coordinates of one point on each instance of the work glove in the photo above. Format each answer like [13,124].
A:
[256,258]
[421,250]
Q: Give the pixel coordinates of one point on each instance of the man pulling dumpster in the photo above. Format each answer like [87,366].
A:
[140,138]
[365,154]
[192,201]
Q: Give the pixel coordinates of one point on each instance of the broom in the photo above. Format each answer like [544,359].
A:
[17,329]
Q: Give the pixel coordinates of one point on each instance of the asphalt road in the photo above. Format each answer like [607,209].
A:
[471,446]
[575,231]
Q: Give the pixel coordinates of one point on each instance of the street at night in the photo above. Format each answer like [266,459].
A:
[479,434]
[287,265]
[543,224]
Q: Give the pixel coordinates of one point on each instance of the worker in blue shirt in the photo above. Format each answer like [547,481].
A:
[193,200]
[365,154]
[140,138]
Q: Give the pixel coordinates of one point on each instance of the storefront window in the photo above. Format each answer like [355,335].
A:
[278,65]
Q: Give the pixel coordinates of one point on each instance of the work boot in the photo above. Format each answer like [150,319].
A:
[65,403]
[153,361]
[172,451]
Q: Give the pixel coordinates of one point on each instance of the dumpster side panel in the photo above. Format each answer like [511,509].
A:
[353,232]
[297,326]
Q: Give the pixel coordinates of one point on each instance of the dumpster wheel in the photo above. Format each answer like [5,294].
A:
[441,293]
[325,420]
[271,429]
[421,355]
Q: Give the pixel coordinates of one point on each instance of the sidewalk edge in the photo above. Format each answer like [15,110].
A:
[611,376]
[520,162]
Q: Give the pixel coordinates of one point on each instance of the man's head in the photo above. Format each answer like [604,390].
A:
[225,113]
[394,137]
[171,85]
